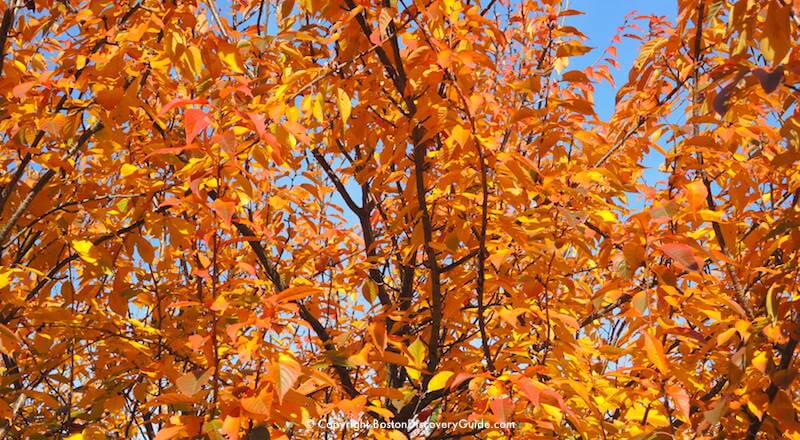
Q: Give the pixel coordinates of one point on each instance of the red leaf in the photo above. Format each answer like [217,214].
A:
[259,123]
[459,379]
[375,37]
[501,408]
[20,90]
[180,102]
[689,333]
[426,413]
[529,390]
[681,399]
[769,80]
[172,201]
[682,254]
[721,101]
[195,121]
[227,141]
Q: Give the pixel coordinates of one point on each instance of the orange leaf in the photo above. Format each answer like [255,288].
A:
[287,371]
[655,352]
[681,400]
[378,332]
[225,210]
[696,195]
[259,405]
[168,432]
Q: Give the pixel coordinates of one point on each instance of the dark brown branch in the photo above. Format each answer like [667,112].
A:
[337,182]
[597,314]
[8,189]
[305,314]
[787,354]
[395,72]
[42,182]
[5,29]
[487,7]
[61,264]
[459,262]
[482,252]
[435,338]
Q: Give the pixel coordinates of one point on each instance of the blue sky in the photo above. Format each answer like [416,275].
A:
[600,22]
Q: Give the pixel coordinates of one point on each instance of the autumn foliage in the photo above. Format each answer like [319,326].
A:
[249,219]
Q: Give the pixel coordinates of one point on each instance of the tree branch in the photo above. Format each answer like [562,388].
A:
[42,182]
[787,354]
[305,314]
[5,29]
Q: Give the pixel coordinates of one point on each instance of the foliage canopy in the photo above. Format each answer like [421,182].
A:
[228,220]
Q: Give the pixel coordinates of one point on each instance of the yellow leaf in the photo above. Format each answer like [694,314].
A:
[5,276]
[760,361]
[128,169]
[710,216]
[560,64]
[460,135]
[606,215]
[553,412]
[231,59]
[84,249]
[360,359]
[78,436]
[344,104]
[316,108]
[439,381]
[230,427]
[511,316]
[413,373]
[417,351]
[195,60]
[381,411]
